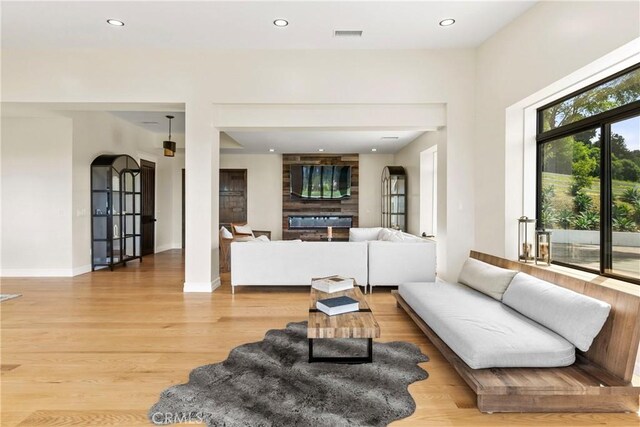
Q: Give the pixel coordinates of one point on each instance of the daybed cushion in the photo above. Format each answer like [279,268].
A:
[363,234]
[576,317]
[486,278]
[484,332]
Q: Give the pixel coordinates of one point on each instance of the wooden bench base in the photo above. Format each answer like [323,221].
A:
[581,387]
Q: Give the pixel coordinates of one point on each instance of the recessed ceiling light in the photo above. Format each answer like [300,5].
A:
[280,22]
[447,22]
[115,22]
[149,123]
[390,138]
[321,149]
[374,149]
[271,150]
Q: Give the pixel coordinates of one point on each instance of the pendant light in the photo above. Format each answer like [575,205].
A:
[169,146]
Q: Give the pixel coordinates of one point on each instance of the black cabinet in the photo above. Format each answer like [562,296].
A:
[116,209]
[394,198]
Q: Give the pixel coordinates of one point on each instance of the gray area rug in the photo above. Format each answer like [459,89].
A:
[5,297]
[271,383]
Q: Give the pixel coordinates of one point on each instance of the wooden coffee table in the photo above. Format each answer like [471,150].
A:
[358,324]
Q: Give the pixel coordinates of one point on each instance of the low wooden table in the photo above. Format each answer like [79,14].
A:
[358,324]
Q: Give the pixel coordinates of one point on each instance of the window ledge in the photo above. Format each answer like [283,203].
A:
[619,285]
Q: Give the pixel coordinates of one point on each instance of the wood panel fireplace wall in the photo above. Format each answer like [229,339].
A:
[295,207]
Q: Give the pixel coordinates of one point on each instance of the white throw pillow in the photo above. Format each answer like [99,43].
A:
[388,235]
[391,235]
[406,237]
[225,234]
[363,234]
[486,278]
[243,229]
[576,317]
[242,238]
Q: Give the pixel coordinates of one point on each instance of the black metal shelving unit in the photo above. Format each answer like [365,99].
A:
[116,208]
[394,197]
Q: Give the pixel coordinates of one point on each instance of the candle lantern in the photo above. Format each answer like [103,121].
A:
[525,232]
[543,246]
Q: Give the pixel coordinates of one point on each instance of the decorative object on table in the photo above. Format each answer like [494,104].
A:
[329,233]
[169,146]
[337,305]
[360,325]
[525,232]
[543,246]
[271,383]
[332,284]
[116,206]
[6,297]
[394,198]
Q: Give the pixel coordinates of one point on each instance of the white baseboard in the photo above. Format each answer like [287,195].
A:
[163,248]
[168,247]
[82,270]
[201,286]
[37,272]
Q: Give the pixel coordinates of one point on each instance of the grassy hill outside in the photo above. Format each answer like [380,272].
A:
[562,186]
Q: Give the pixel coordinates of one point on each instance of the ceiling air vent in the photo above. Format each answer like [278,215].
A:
[347,33]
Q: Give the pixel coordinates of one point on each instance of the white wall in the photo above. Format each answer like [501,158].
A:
[543,45]
[264,77]
[409,158]
[96,133]
[36,196]
[264,189]
[429,191]
[47,165]
[370,187]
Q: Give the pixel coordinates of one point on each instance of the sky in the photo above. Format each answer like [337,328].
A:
[630,130]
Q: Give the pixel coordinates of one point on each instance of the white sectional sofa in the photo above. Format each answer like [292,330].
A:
[395,257]
[365,258]
[291,262]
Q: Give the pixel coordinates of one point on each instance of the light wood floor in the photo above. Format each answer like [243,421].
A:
[98,349]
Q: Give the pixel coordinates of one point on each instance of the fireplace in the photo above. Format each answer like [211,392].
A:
[307,222]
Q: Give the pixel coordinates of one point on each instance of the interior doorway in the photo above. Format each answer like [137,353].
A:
[233,196]
[429,191]
[148,220]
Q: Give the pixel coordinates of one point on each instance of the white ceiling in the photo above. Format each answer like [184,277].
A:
[282,141]
[154,121]
[249,24]
[310,141]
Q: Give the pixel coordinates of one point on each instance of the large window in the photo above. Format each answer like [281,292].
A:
[589,176]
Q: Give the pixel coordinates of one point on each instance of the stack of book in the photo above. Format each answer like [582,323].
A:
[337,305]
[332,284]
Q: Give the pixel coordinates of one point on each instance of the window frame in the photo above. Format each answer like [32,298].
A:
[603,121]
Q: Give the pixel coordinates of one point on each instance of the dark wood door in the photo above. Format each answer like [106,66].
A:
[233,196]
[148,220]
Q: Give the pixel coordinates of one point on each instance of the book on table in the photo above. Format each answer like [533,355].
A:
[337,305]
[332,284]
